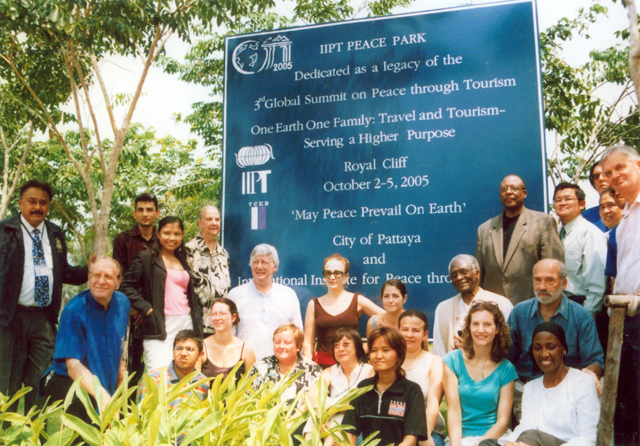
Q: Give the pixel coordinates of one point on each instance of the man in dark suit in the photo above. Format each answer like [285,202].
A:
[33,267]
[510,244]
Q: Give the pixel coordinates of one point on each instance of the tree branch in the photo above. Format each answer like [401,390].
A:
[91,112]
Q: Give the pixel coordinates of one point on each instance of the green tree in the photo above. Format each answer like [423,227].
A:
[162,166]
[582,122]
[77,35]
[204,63]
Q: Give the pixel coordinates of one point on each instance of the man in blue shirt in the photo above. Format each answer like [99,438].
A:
[90,340]
[550,304]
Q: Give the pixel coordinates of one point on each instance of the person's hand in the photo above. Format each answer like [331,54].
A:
[138,318]
[149,312]
[105,401]
[428,442]
[457,341]
[92,260]
[596,380]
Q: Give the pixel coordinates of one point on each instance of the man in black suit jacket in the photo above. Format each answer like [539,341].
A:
[33,267]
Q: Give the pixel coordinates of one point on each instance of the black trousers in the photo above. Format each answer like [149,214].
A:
[26,350]
[56,387]
[135,364]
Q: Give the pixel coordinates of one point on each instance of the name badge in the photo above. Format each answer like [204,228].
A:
[42,270]
[397,408]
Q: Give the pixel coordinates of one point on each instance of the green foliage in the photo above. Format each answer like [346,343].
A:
[233,414]
[583,122]
[204,63]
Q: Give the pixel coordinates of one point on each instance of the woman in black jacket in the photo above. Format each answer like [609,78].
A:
[160,288]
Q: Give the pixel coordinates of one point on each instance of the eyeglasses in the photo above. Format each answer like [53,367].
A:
[460,273]
[337,274]
[220,314]
[511,188]
[597,176]
[564,200]
[479,301]
[179,348]
[108,277]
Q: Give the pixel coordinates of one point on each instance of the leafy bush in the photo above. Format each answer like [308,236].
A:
[232,414]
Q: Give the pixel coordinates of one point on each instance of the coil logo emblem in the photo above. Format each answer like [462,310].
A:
[254,156]
[252,56]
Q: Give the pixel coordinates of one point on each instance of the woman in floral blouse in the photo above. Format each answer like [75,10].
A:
[209,263]
[287,344]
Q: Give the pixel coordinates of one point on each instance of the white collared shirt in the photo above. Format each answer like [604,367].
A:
[261,314]
[585,253]
[29,277]
[628,240]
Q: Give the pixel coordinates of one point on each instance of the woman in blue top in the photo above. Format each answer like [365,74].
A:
[478,380]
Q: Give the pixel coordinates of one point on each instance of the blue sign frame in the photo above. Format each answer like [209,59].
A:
[382,139]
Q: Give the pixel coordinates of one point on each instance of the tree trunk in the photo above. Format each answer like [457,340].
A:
[634,47]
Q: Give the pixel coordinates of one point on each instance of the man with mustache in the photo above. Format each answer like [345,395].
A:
[510,244]
[551,304]
[33,267]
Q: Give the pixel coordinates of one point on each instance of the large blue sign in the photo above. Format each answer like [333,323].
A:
[384,140]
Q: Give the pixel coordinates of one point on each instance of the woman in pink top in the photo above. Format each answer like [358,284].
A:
[160,288]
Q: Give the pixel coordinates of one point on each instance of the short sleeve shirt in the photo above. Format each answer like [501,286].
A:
[578,324]
[398,412]
[94,336]
[479,400]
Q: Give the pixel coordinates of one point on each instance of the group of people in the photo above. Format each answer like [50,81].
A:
[519,346]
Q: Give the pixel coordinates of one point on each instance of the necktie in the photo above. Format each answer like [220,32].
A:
[563,233]
[41,294]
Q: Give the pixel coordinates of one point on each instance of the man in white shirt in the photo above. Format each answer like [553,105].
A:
[621,168]
[264,305]
[33,267]
[464,272]
[585,248]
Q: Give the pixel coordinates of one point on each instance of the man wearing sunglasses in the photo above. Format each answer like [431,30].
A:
[264,305]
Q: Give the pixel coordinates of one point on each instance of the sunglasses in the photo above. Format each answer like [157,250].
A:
[478,302]
[337,274]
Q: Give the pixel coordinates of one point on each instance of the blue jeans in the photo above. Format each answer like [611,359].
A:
[438,440]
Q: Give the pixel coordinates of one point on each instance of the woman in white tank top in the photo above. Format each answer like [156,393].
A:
[351,368]
[425,369]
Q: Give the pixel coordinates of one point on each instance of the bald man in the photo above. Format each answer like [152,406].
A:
[510,244]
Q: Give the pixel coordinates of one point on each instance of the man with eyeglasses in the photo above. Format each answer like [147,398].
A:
[551,304]
[187,351]
[263,304]
[464,272]
[90,341]
[585,248]
[510,244]
[599,183]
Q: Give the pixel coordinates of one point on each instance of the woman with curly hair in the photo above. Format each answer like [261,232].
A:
[478,380]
